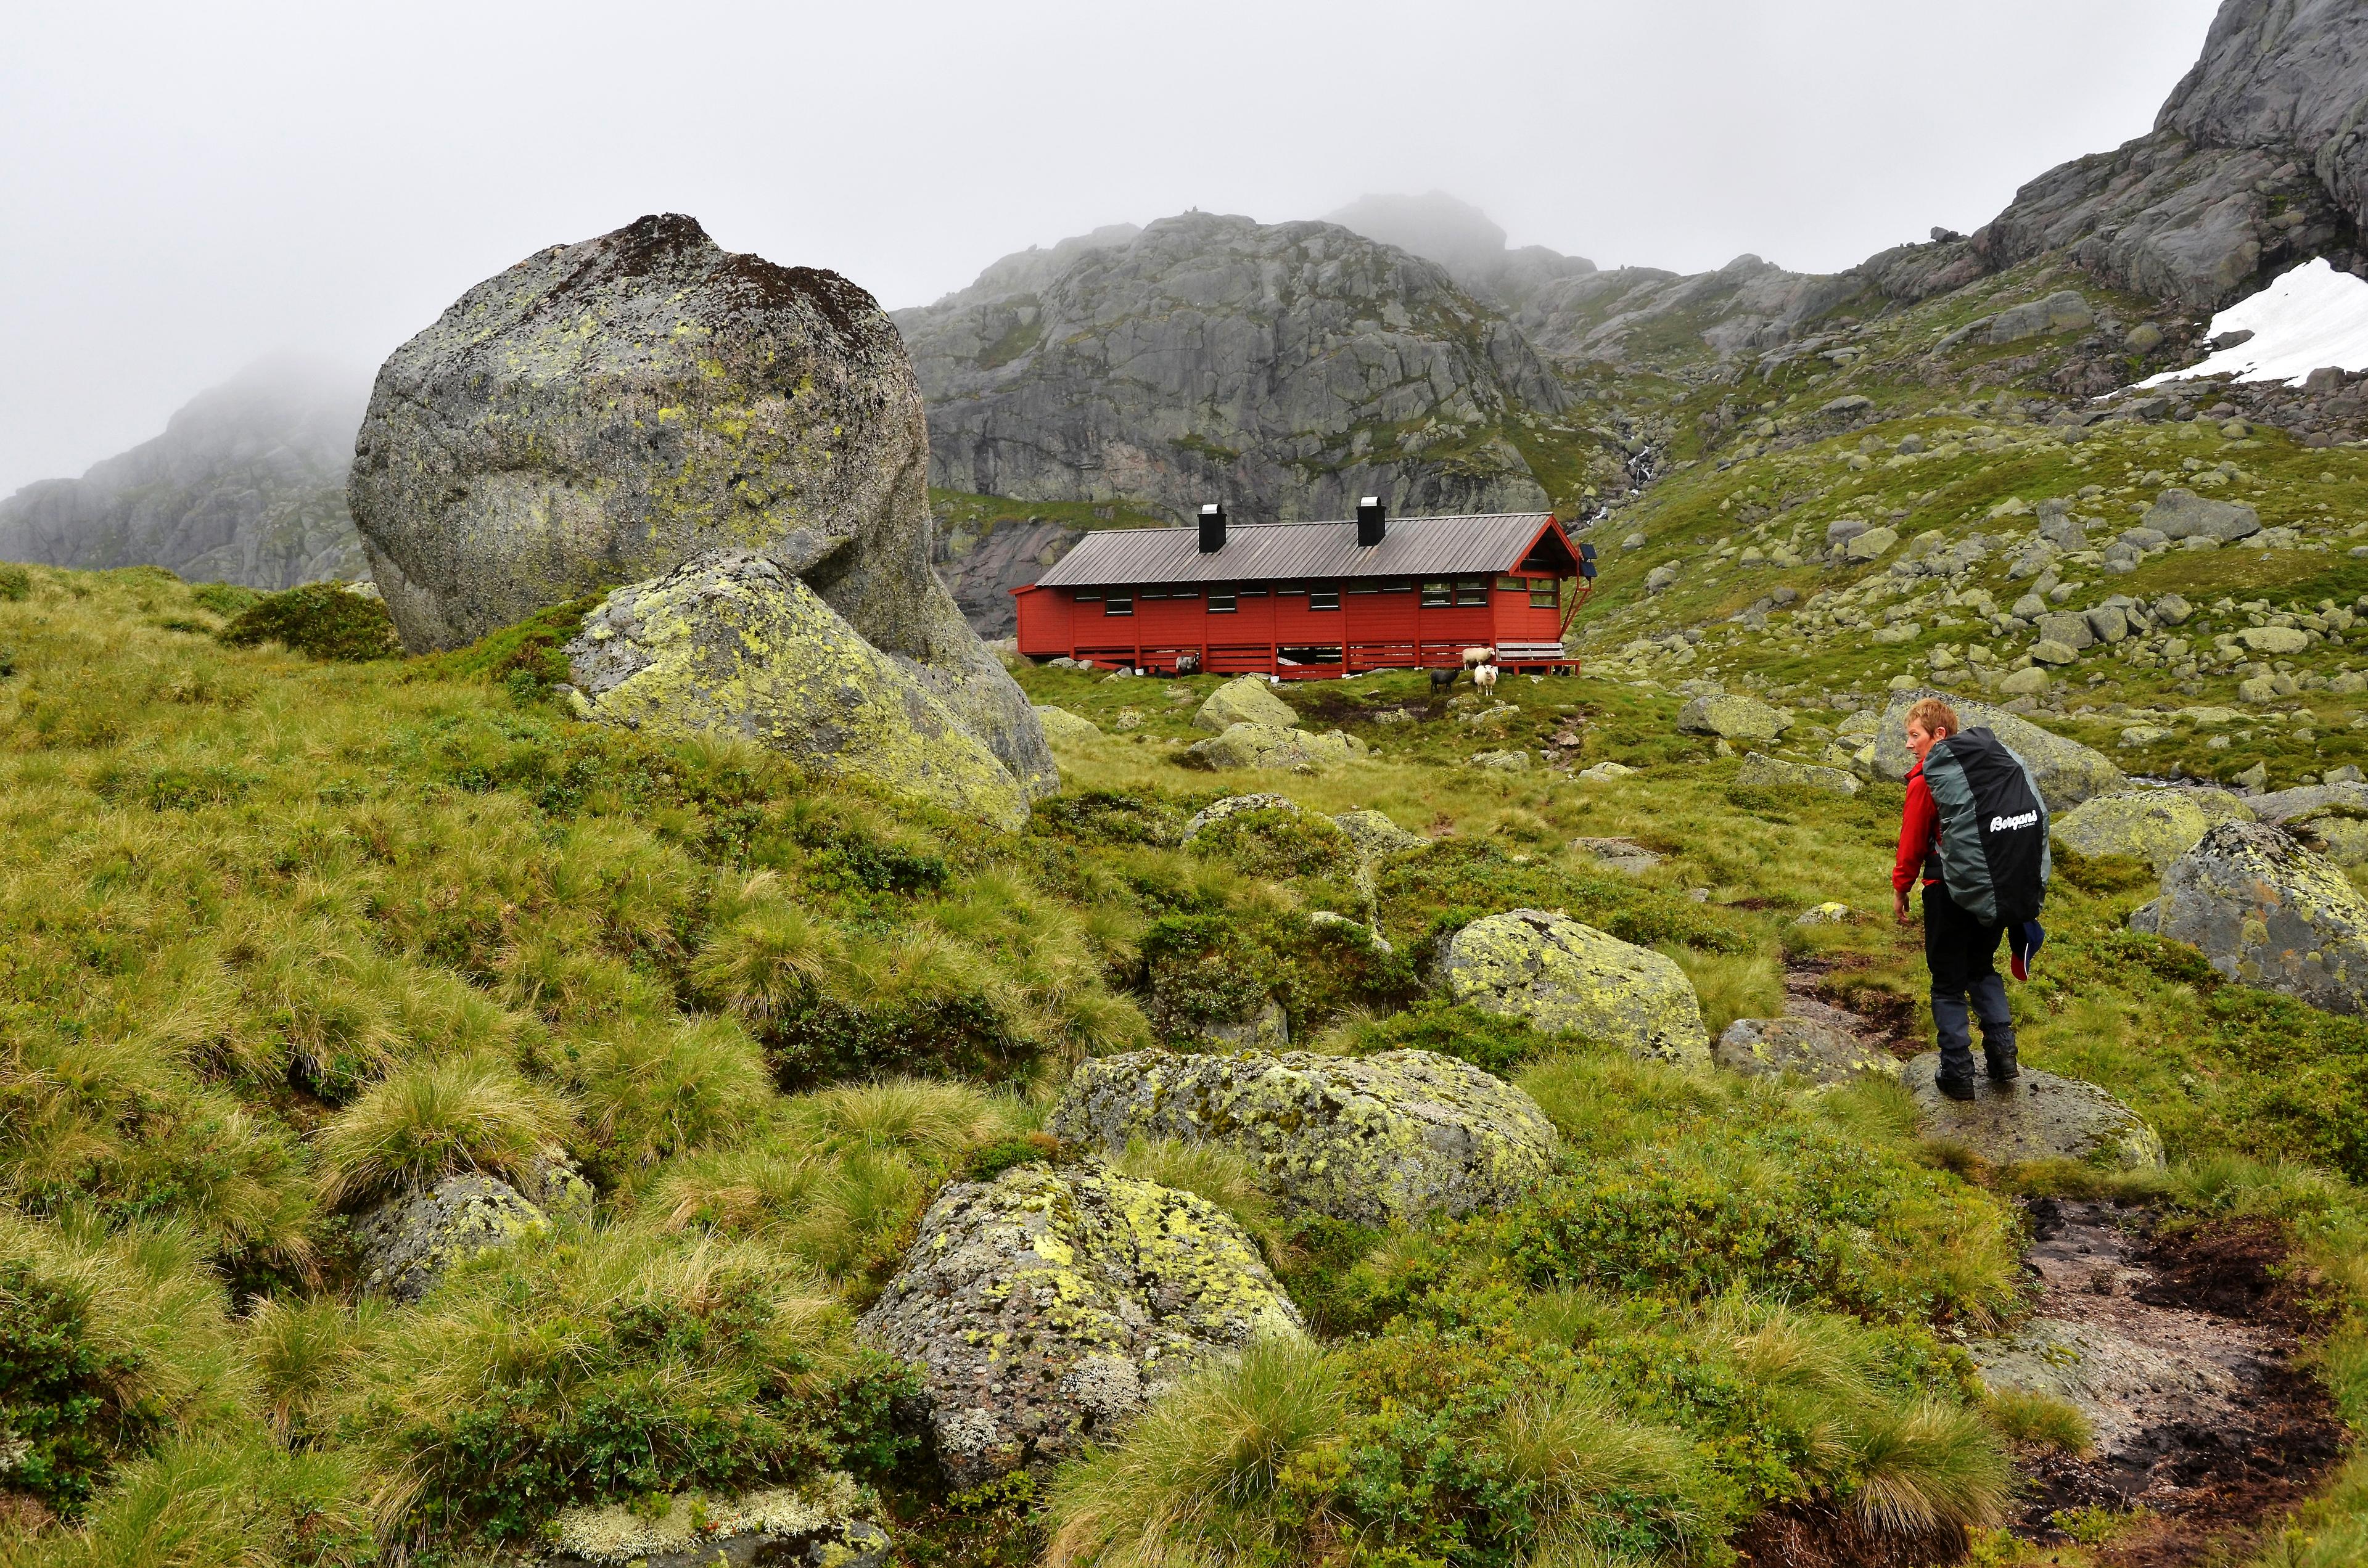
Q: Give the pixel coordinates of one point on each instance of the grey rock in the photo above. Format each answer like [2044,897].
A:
[2066,772]
[2270,912]
[980,567]
[2109,624]
[246,485]
[1245,699]
[1565,977]
[822,1523]
[1234,805]
[408,1242]
[1046,1308]
[1374,835]
[1378,1140]
[1622,855]
[1821,1053]
[2154,825]
[1272,747]
[2059,527]
[2064,311]
[2071,628]
[1063,727]
[2037,1116]
[1762,772]
[1733,718]
[2182,514]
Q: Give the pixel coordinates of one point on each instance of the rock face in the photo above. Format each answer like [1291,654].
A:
[246,485]
[2037,1116]
[1287,367]
[1802,1047]
[1046,1308]
[730,643]
[406,1245]
[980,568]
[821,1525]
[602,413]
[1377,1140]
[2267,912]
[2154,825]
[1568,978]
[2066,772]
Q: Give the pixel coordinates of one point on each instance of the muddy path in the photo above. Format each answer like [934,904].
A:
[2182,1344]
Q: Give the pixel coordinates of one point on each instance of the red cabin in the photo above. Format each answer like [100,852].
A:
[1309,600]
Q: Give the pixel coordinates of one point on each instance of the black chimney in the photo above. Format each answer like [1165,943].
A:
[1372,521]
[1212,527]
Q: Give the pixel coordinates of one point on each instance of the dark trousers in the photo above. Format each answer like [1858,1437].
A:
[1960,952]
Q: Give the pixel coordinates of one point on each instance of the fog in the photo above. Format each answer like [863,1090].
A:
[187,189]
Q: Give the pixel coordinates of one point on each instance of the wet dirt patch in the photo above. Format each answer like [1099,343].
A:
[2178,1346]
[1832,989]
[1800,1535]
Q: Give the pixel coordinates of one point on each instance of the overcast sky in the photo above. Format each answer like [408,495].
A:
[188,188]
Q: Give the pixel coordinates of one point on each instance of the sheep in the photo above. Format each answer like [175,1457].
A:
[1476,657]
[1443,679]
[1485,678]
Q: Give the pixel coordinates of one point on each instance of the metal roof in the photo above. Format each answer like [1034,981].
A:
[1414,546]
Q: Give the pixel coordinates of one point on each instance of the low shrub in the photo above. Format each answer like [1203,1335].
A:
[1275,842]
[320,620]
[1489,1040]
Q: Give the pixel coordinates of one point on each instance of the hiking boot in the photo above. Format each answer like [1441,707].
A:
[2002,1066]
[1956,1089]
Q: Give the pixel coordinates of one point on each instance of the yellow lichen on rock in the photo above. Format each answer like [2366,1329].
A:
[2154,825]
[1567,977]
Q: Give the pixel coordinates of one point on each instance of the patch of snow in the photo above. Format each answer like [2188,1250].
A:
[2311,317]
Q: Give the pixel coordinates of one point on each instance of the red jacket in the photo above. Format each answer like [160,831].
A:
[1920,830]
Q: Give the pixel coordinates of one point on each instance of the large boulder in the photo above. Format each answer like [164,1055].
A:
[2329,818]
[1376,1140]
[407,1243]
[2154,825]
[601,413]
[2182,514]
[1822,1052]
[1246,700]
[1064,728]
[2066,772]
[2267,912]
[731,643]
[1047,1307]
[1567,978]
[2038,1115]
[822,1524]
[1733,718]
[1760,771]
[1270,745]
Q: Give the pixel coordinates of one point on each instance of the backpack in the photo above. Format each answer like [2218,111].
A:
[1992,842]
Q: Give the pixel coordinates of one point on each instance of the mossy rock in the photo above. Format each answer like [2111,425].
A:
[2266,911]
[1246,700]
[1810,1049]
[406,1245]
[730,644]
[2154,825]
[1273,747]
[1568,978]
[1376,1140]
[1047,1307]
[1064,728]
[320,620]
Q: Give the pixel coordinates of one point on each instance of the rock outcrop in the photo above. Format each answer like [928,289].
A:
[2154,825]
[2037,1116]
[409,1241]
[1047,1307]
[2065,771]
[1377,1140]
[824,1524]
[731,643]
[1291,368]
[603,413]
[2267,912]
[246,485]
[1567,978]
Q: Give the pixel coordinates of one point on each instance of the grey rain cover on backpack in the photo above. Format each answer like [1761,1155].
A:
[1993,836]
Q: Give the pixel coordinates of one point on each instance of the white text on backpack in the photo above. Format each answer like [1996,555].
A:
[2028,819]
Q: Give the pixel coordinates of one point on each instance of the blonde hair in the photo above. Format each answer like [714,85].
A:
[1934,717]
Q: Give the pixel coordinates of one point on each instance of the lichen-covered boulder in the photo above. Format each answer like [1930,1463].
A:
[1567,978]
[728,643]
[2270,912]
[1376,1140]
[409,1241]
[825,1523]
[1374,835]
[1622,855]
[1732,717]
[1064,728]
[1762,772]
[2038,1115]
[2154,825]
[2065,771]
[2331,819]
[1246,700]
[1270,745]
[1801,1047]
[1045,1308]
[1234,805]
[601,413]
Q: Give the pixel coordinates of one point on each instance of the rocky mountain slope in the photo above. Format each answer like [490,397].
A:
[246,485]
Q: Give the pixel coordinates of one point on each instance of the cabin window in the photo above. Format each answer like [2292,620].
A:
[1185,593]
[1085,598]
[1363,588]
[1120,604]
[1153,594]
[1546,592]
[1437,595]
[1471,590]
[1511,584]
[1322,598]
[1220,604]
[1398,587]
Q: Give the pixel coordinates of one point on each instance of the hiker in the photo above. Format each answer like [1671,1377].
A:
[1974,831]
